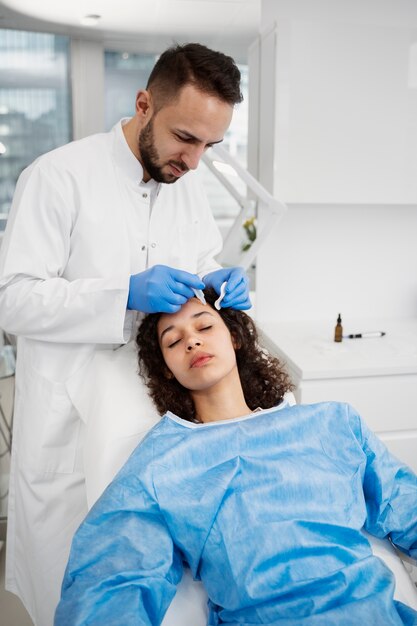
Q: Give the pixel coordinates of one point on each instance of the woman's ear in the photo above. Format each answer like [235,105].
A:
[168,374]
[236,343]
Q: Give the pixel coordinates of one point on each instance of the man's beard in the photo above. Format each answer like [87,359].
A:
[150,159]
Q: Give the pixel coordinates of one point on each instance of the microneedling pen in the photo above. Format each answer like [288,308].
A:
[377,333]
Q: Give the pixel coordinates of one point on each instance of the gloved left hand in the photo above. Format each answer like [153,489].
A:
[237,288]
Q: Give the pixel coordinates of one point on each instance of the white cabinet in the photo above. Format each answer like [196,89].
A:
[377,376]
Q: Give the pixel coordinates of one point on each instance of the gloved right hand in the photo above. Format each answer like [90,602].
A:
[161,289]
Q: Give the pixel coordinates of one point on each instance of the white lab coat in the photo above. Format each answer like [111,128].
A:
[81,223]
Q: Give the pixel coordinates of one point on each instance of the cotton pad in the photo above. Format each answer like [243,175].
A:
[200,295]
[220,298]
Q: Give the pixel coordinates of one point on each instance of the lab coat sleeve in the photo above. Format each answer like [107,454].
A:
[36,299]
[390,489]
[123,566]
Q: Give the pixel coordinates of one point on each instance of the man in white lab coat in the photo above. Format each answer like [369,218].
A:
[96,233]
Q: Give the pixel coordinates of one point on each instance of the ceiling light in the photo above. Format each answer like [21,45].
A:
[90,20]
[2,148]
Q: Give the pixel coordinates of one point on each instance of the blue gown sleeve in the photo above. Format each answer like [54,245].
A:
[123,566]
[390,489]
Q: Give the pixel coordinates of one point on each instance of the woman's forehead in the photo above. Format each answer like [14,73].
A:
[192,309]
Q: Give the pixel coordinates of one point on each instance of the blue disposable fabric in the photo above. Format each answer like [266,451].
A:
[236,294]
[266,510]
[161,289]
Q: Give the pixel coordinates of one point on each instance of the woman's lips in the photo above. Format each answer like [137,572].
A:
[200,359]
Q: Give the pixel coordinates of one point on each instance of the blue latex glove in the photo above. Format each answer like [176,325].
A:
[237,288]
[161,289]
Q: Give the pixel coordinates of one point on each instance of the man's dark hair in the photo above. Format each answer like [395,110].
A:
[213,73]
[263,377]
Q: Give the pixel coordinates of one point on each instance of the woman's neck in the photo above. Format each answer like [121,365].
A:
[221,402]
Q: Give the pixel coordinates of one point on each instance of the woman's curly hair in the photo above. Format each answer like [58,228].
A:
[264,380]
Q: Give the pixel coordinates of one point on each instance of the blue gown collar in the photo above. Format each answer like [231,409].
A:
[175,418]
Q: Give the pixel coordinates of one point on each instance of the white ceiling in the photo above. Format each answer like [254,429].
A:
[228,25]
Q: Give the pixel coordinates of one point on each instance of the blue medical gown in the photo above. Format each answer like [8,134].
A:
[266,510]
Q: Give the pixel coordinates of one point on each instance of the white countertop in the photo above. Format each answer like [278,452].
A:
[310,351]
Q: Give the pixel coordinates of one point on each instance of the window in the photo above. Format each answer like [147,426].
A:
[35,109]
[125,74]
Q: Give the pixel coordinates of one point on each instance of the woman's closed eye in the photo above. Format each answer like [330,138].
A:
[174,342]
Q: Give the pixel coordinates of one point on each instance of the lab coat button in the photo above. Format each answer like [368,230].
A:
[153,245]
[144,195]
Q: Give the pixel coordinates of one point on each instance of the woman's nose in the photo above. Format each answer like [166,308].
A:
[193,343]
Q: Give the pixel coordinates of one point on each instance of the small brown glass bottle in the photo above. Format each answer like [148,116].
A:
[338,331]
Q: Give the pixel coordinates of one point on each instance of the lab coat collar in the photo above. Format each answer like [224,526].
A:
[125,158]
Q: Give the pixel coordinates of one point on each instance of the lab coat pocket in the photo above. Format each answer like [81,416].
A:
[48,442]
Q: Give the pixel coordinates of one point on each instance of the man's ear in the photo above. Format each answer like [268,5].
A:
[144,104]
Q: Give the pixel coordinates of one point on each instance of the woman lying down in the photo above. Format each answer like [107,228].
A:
[265,502]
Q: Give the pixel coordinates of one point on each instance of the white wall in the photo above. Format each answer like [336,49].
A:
[339,145]
[372,12]
[322,260]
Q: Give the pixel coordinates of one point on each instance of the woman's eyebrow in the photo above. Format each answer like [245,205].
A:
[168,328]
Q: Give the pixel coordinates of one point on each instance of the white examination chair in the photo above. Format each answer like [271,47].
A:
[109,393]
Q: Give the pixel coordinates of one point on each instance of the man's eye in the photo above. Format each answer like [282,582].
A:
[206,328]
[174,343]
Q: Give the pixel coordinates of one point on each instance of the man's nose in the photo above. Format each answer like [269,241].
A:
[191,157]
